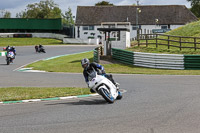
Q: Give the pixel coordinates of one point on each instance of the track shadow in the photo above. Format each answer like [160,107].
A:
[85,102]
[75,61]
[82,102]
[3,64]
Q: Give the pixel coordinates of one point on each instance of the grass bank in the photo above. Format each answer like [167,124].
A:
[188,30]
[24,93]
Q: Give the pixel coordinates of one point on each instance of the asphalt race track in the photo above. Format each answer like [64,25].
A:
[151,103]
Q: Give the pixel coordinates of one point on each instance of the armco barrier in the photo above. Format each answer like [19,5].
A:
[165,61]
[192,62]
[96,56]
[3,53]
[122,56]
[154,60]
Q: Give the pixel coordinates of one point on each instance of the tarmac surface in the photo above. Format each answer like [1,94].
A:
[151,103]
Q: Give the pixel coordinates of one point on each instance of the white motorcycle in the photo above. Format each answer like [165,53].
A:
[103,87]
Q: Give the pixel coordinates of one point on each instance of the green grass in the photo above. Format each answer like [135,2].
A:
[71,64]
[190,29]
[28,41]
[24,93]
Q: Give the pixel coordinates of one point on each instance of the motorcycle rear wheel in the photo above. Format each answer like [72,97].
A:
[106,95]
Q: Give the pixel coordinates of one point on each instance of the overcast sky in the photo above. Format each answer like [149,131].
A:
[16,6]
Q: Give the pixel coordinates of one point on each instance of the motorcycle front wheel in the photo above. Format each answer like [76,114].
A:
[106,95]
[8,61]
[119,96]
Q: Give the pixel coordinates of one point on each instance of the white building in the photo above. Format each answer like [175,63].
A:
[147,18]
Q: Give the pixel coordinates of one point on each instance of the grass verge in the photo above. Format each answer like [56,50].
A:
[163,50]
[24,93]
[28,41]
[71,63]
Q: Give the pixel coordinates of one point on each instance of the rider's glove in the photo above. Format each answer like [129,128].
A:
[103,71]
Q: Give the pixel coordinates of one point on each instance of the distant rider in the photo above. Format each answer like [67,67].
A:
[88,67]
[40,46]
[12,49]
[8,49]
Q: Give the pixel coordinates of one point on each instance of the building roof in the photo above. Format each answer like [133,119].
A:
[166,14]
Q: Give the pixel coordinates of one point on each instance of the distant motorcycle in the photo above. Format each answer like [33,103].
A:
[39,49]
[10,57]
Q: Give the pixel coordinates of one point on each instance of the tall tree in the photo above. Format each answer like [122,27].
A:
[43,9]
[195,4]
[5,14]
[68,18]
[104,3]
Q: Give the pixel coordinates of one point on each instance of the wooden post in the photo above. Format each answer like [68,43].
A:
[168,41]
[180,44]
[138,37]
[98,55]
[195,44]
[146,40]
[156,40]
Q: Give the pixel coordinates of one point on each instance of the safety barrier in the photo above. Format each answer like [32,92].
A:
[122,56]
[154,60]
[3,53]
[165,61]
[192,62]
[96,57]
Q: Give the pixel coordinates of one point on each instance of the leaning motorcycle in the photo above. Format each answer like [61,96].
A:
[10,57]
[41,50]
[104,87]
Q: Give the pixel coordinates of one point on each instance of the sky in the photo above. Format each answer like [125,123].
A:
[16,6]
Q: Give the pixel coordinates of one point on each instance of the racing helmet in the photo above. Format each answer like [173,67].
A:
[85,63]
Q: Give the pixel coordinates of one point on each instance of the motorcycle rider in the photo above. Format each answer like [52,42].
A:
[12,49]
[36,48]
[8,48]
[87,66]
[40,46]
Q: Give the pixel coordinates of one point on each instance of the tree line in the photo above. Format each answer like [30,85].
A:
[46,9]
[49,9]
[195,7]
